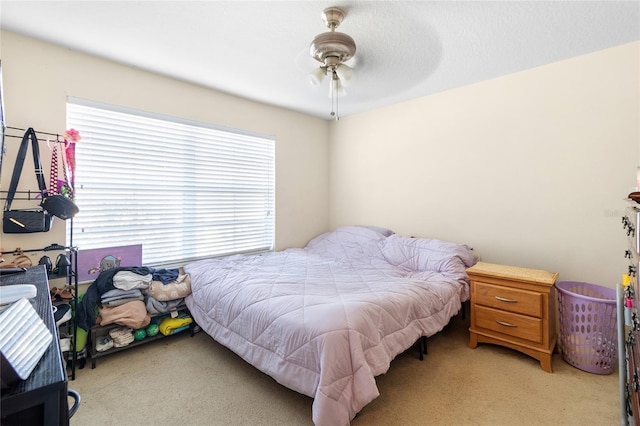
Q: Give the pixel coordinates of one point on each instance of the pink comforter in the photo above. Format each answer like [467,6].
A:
[326,319]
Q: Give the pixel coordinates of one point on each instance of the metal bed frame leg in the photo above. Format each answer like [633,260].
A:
[464,309]
[194,328]
[422,347]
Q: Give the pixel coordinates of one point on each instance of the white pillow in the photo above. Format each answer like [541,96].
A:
[420,254]
[383,231]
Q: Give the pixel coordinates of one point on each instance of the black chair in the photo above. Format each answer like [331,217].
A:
[76,401]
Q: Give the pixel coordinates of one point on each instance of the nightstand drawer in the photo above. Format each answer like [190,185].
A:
[508,299]
[521,326]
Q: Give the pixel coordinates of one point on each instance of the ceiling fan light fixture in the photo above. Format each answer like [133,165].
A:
[317,76]
[331,49]
[345,74]
[336,89]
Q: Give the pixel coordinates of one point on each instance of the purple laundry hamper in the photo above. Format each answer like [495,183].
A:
[588,326]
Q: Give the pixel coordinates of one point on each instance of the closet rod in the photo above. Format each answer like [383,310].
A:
[55,246]
[28,195]
[54,141]
[22,130]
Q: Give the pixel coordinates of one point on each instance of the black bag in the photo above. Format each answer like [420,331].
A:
[25,221]
[28,220]
[60,206]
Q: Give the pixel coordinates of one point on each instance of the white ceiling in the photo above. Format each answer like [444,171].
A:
[259,49]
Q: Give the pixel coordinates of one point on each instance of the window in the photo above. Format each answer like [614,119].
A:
[182,189]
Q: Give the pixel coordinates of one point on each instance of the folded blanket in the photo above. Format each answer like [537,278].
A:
[173,325]
[132,314]
[126,280]
[158,307]
[114,303]
[177,289]
[121,336]
[118,294]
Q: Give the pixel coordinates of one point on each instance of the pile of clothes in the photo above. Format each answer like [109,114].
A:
[130,296]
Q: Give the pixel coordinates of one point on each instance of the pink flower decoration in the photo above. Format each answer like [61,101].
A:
[72,135]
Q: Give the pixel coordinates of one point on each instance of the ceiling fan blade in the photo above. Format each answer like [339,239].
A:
[305,63]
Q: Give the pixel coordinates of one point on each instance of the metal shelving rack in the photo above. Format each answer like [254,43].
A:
[629,323]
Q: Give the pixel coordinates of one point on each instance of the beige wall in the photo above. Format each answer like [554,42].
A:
[530,169]
[38,78]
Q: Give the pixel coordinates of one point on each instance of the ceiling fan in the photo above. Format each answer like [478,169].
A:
[332,49]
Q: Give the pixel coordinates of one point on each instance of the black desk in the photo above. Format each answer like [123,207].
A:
[42,398]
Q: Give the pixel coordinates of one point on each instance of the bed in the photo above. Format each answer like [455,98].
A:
[326,319]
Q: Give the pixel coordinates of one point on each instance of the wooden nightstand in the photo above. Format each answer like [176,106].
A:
[514,307]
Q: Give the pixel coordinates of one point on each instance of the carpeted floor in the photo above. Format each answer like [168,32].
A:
[183,380]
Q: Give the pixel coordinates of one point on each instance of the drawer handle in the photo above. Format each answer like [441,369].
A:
[506,324]
[503,299]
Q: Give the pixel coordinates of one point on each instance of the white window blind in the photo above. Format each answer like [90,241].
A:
[183,190]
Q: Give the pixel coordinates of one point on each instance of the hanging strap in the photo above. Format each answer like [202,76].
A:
[29,134]
[66,186]
[53,175]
